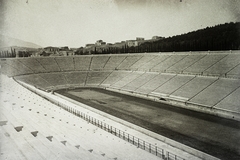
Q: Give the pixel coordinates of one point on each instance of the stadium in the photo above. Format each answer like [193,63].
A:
[170,105]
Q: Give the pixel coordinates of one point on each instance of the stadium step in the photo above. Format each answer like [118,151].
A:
[9,149]
[26,148]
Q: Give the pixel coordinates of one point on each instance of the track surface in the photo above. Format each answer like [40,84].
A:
[213,135]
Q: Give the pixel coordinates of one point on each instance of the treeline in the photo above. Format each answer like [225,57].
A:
[12,53]
[8,53]
[220,37]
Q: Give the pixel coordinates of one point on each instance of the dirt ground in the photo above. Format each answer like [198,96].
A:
[213,135]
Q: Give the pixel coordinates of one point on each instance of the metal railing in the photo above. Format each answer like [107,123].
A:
[171,156]
[119,133]
[153,149]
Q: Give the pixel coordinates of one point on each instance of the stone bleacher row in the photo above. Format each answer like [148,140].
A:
[31,129]
[209,79]
[204,90]
[220,64]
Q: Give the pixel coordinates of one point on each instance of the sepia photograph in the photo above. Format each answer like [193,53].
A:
[119,79]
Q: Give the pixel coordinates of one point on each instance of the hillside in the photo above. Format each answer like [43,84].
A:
[6,41]
[220,37]
[10,46]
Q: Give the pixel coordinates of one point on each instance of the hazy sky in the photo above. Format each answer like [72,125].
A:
[77,22]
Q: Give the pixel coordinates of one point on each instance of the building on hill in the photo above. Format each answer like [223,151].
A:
[100,42]
[64,48]
[157,37]
[31,53]
[132,43]
[66,53]
[89,45]
[51,49]
[139,39]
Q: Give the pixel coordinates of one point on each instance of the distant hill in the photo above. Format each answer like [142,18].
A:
[6,41]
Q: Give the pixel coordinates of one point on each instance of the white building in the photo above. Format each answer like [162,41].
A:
[132,43]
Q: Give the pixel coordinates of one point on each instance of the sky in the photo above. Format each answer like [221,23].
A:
[75,23]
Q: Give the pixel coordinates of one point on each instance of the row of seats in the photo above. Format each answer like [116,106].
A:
[203,90]
[224,64]
[34,128]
